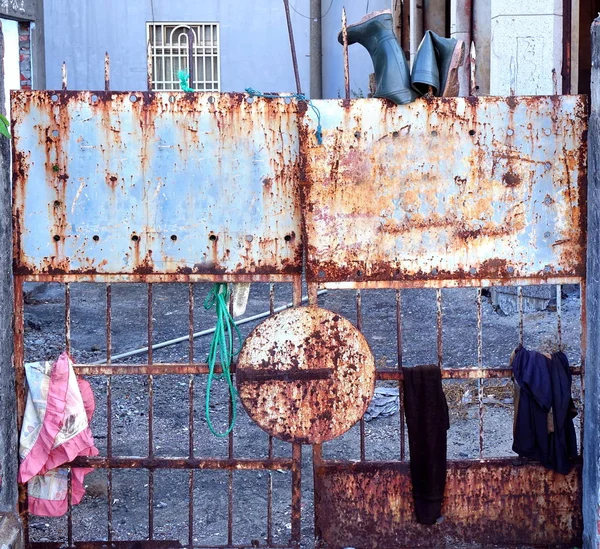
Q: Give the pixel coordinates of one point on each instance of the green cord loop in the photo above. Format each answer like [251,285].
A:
[221,346]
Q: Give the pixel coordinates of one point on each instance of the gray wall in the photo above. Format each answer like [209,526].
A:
[255,50]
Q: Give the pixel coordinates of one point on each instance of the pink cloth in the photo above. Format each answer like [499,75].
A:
[55,430]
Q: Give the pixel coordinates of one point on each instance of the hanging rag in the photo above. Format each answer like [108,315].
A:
[544,410]
[427,420]
[55,430]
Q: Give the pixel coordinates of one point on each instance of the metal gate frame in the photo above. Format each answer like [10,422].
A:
[69,255]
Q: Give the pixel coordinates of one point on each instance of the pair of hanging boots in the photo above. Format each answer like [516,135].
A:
[435,68]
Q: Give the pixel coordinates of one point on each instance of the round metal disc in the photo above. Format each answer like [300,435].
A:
[305,375]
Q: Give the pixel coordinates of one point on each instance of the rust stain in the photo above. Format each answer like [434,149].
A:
[305,375]
[511,179]
[490,502]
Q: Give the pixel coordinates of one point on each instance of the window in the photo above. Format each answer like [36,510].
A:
[172,45]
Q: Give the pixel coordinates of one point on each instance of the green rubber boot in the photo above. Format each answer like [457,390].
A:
[436,64]
[392,75]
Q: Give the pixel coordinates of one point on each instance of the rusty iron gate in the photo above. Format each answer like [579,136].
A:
[120,187]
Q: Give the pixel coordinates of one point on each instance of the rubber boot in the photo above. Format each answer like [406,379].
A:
[392,75]
[436,64]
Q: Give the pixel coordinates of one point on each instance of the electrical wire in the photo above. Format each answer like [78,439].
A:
[308,16]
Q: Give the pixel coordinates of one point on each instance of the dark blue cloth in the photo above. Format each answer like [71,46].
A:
[545,385]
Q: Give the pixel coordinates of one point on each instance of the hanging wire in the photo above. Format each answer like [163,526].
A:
[221,347]
[308,16]
[298,96]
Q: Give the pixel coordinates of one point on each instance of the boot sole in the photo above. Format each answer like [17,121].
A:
[458,58]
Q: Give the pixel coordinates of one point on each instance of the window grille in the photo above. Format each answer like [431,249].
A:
[172,45]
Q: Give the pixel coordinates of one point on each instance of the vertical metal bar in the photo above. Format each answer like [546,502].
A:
[288,18]
[520,306]
[296,492]
[480,366]
[405,37]
[150,418]
[191,415]
[438,299]
[270,448]
[106,72]
[70,507]
[567,42]
[19,361]
[230,472]
[149,68]
[559,316]
[191,58]
[359,325]
[346,61]
[64,75]
[297,292]
[582,358]
[109,408]
[68,318]
[400,385]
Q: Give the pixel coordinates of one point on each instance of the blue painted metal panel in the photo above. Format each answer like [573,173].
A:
[132,183]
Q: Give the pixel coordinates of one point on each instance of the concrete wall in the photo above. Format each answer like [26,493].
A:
[255,49]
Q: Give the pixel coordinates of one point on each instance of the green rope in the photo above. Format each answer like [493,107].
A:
[184,76]
[221,346]
[299,97]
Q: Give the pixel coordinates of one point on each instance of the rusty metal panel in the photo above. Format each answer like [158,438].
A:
[500,502]
[478,188]
[144,183]
[306,375]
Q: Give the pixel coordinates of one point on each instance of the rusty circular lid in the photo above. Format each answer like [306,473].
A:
[305,375]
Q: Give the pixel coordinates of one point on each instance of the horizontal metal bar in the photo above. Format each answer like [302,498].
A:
[146,544]
[144,369]
[461,373]
[473,282]
[271,374]
[98,462]
[154,277]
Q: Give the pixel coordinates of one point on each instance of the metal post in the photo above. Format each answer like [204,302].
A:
[8,404]
[316,54]
[591,450]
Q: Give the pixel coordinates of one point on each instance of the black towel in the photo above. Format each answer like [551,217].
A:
[427,421]
[543,427]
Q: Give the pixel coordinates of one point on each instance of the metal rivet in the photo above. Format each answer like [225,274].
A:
[173,237]
[133,98]
[359,273]
[249,99]
[395,134]
[434,133]
[57,203]
[473,270]
[95,238]
[287,100]
[472,132]
[94,98]
[171,99]
[56,238]
[212,237]
[135,237]
[54,97]
[434,272]
[547,131]
[54,133]
[321,274]
[510,270]
[510,131]
[357,135]
[211,99]
[249,238]
[287,237]
[547,165]
[547,234]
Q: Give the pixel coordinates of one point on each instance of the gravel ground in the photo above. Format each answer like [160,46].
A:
[44,338]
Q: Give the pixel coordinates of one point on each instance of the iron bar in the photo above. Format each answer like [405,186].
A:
[438,300]
[559,316]
[202,333]
[150,417]
[63,71]
[149,67]
[389,374]
[296,492]
[226,464]
[191,415]
[106,72]
[288,18]
[191,58]
[520,307]
[359,326]
[19,365]
[346,61]
[68,318]
[582,359]
[109,410]
[69,507]
[480,367]
[400,385]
